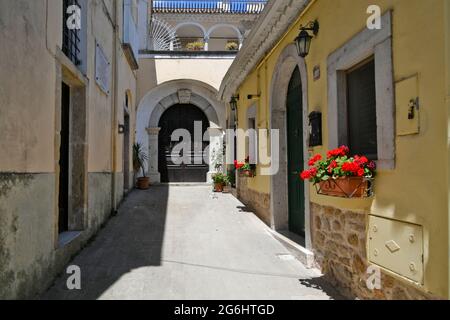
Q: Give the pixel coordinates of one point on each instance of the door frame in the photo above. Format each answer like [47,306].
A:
[126,144]
[287,62]
[68,73]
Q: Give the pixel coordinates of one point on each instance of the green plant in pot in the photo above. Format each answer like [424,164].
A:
[139,158]
[195,46]
[220,181]
[232,46]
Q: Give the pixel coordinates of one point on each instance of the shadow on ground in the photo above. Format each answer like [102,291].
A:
[130,240]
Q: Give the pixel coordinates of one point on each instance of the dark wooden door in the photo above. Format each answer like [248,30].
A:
[296,190]
[182,117]
[63,197]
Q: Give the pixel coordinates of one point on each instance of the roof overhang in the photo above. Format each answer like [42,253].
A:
[272,24]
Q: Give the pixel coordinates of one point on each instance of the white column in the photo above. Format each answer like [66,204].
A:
[206,40]
[215,147]
[152,163]
[241,40]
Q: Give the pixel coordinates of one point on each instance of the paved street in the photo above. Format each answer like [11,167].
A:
[182,242]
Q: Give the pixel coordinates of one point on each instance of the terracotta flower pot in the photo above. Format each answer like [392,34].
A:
[347,187]
[247,173]
[218,187]
[143,183]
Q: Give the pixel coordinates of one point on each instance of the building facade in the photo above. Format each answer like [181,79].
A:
[191,46]
[68,98]
[402,229]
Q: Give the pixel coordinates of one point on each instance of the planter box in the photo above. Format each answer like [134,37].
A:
[247,173]
[348,187]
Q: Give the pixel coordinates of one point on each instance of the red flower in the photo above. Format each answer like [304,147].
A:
[308,174]
[238,165]
[339,152]
[361,160]
[332,166]
[361,172]
[351,167]
[314,159]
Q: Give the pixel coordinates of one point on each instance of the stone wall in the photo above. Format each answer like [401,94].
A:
[256,201]
[339,245]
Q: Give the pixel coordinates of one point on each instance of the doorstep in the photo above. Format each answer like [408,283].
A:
[67,237]
[292,243]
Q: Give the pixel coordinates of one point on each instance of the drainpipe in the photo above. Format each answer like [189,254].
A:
[114,100]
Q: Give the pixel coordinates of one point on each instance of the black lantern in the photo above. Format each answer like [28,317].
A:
[234,102]
[303,41]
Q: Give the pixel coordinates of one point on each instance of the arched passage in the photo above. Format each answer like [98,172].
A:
[184,93]
[188,164]
[288,64]
[219,35]
[188,32]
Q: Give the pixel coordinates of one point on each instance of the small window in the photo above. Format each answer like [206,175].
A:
[361,110]
[71,37]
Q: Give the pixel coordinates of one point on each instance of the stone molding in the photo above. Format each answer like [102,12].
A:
[377,43]
[272,24]
[286,64]
[153,131]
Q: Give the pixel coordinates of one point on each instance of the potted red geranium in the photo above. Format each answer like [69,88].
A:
[341,175]
[245,168]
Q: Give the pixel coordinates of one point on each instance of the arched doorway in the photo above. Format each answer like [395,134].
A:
[194,123]
[294,121]
[183,92]
[289,200]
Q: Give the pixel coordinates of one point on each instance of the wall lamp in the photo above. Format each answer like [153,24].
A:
[234,102]
[303,41]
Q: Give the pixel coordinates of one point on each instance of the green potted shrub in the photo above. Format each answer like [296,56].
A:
[220,180]
[232,46]
[195,46]
[139,157]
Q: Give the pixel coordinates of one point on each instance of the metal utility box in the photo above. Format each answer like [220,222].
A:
[396,246]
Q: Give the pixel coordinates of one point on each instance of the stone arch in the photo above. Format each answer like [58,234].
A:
[159,99]
[191,23]
[224,25]
[286,64]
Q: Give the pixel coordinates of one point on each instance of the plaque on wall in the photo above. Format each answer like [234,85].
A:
[102,69]
[316,72]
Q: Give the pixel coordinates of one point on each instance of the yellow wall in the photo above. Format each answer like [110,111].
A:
[447,68]
[416,191]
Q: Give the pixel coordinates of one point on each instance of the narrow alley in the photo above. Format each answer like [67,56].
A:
[184,242]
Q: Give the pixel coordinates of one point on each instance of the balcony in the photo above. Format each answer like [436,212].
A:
[204,6]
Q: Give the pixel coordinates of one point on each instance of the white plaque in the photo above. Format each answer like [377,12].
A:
[102,69]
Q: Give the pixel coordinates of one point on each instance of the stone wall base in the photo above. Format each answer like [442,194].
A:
[256,201]
[339,245]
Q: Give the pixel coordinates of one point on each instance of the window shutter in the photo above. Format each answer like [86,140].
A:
[361,104]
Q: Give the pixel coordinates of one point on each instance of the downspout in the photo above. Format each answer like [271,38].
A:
[114,100]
